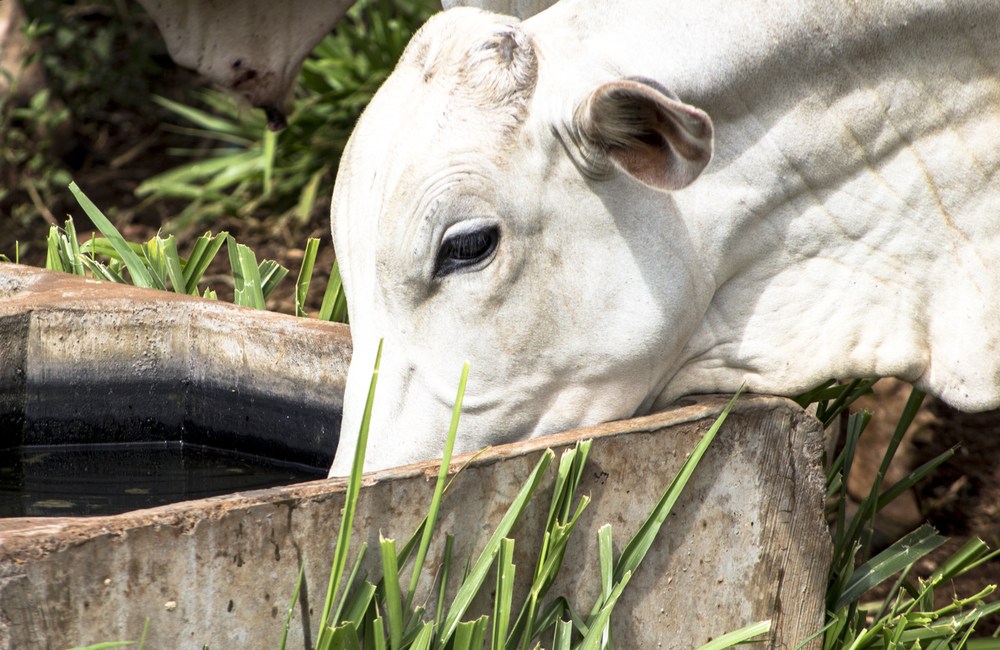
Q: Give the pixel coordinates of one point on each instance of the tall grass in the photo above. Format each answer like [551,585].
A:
[157,264]
[383,615]
[910,614]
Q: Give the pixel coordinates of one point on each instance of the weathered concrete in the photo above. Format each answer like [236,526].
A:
[746,542]
[80,358]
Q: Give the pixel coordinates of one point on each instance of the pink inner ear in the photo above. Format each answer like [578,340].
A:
[648,163]
[657,139]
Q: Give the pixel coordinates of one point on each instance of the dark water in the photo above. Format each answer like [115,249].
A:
[107,479]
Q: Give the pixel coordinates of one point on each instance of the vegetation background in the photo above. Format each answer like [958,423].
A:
[157,150]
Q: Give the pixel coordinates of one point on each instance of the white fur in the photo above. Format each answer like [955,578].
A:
[848,224]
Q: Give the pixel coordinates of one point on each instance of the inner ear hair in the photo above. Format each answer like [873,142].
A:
[647,131]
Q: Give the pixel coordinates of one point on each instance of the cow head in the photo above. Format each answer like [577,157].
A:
[491,209]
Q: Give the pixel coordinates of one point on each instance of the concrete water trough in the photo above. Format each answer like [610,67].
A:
[746,542]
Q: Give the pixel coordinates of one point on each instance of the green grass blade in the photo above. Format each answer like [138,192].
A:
[351,498]
[884,565]
[305,276]
[435,506]
[563,635]
[946,627]
[100,271]
[140,274]
[736,637]
[414,626]
[205,249]
[345,637]
[241,169]
[204,178]
[960,561]
[172,260]
[559,538]
[53,258]
[152,257]
[393,597]
[73,248]
[856,424]
[547,618]
[424,638]
[560,490]
[606,561]
[247,285]
[206,121]
[605,552]
[102,246]
[913,478]
[640,543]
[449,544]
[471,585]
[333,307]
[865,517]
[378,633]
[847,396]
[463,636]
[307,197]
[271,274]
[267,155]
[470,635]
[559,609]
[357,605]
[291,608]
[504,594]
[595,635]
[556,534]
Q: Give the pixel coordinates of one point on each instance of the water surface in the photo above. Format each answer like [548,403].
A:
[107,479]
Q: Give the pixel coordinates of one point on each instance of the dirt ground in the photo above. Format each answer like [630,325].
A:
[961,499]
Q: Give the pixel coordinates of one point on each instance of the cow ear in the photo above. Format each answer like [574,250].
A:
[642,126]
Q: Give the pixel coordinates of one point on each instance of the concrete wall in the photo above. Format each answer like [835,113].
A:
[746,542]
[80,359]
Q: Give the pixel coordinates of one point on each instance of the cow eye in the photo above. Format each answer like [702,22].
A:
[466,249]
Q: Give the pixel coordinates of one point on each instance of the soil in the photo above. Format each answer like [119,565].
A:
[962,499]
[110,159]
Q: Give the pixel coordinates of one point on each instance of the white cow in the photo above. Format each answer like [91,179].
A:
[613,204]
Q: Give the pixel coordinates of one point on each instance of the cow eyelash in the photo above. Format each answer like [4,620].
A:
[464,250]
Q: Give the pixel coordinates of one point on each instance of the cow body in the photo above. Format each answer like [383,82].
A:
[848,224]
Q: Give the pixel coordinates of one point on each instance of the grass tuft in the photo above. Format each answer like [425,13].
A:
[384,615]
[157,264]
[907,616]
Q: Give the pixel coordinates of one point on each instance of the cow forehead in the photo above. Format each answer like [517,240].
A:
[462,87]
[485,58]
[464,72]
